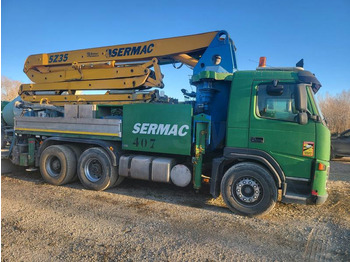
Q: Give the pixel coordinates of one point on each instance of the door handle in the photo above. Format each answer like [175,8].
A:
[257,139]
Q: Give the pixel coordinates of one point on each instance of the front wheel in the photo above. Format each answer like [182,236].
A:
[95,169]
[249,189]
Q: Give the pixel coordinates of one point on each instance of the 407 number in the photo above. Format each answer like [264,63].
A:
[58,58]
[144,143]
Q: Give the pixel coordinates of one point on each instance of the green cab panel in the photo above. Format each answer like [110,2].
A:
[275,130]
[239,110]
[157,128]
[286,143]
[319,184]
[323,142]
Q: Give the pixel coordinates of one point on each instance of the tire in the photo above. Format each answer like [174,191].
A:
[248,189]
[119,180]
[76,149]
[58,165]
[77,152]
[95,169]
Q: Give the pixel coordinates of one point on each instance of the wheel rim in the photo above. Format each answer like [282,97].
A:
[53,166]
[247,191]
[93,170]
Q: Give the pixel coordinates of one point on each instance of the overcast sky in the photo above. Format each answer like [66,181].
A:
[283,31]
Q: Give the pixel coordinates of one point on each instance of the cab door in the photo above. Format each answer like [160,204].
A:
[274,128]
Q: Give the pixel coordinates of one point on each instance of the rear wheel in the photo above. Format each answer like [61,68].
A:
[58,164]
[95,169]
[76,149]
[77,152]
[248,189]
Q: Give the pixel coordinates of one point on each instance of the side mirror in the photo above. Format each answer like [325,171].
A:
[303,118]
[301,98]
[273,90]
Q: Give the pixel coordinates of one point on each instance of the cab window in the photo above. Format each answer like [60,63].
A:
[280,106]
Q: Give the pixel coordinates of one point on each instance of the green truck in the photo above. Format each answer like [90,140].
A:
[255,136]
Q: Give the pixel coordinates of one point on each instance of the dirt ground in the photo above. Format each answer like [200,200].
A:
[156,222]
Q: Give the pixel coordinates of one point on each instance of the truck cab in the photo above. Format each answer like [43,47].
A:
[274,124]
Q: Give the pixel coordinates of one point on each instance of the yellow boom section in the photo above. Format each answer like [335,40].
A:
[126,68]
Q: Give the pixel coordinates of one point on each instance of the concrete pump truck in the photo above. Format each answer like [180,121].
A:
[255,136]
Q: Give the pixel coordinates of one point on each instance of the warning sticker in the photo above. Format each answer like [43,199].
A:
[308,148]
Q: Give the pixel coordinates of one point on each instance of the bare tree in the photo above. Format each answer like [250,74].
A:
[336,110]
[9,88]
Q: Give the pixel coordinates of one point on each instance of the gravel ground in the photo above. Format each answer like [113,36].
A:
[156,222]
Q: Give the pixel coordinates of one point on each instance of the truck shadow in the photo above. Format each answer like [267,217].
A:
[158,192]
[172,194]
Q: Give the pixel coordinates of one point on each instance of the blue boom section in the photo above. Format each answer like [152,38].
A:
[212,95]
[222,46]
